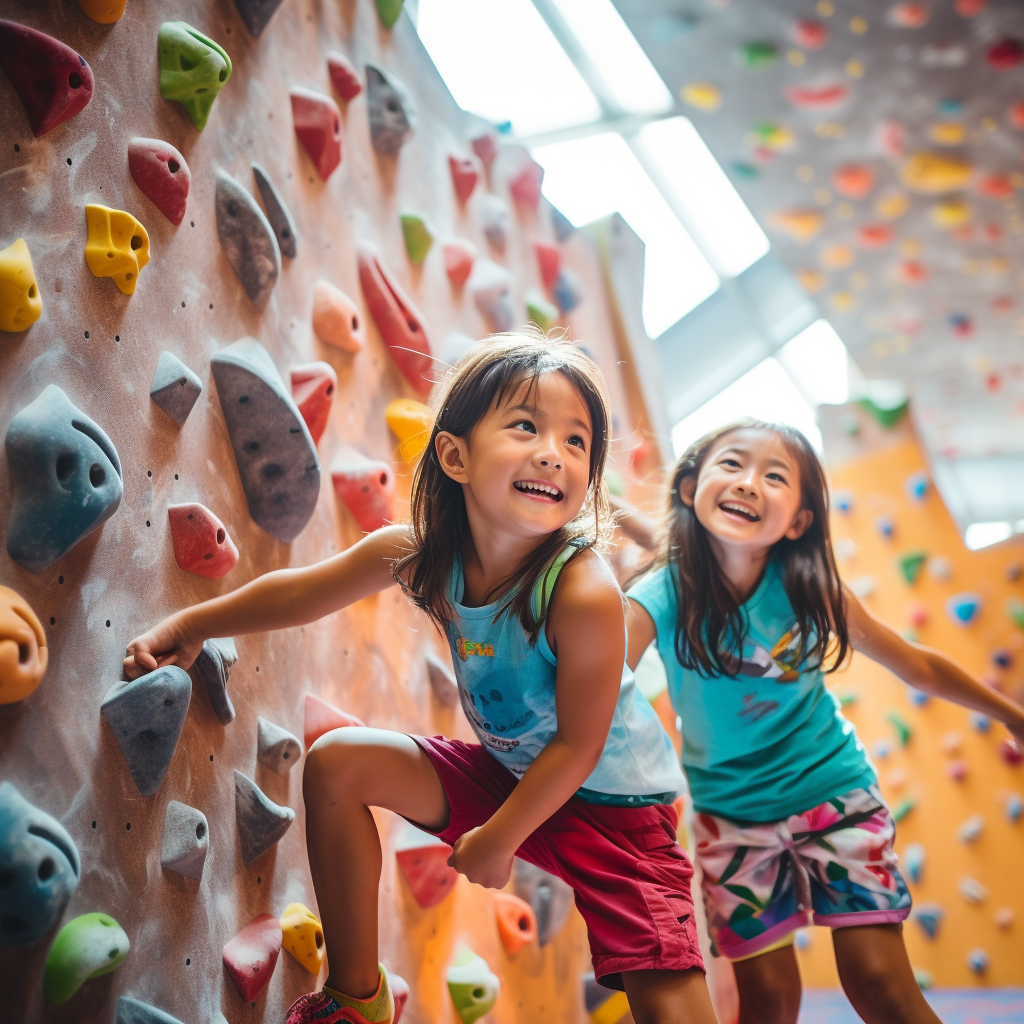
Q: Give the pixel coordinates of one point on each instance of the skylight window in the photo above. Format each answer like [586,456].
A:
[818,362]
[983,535]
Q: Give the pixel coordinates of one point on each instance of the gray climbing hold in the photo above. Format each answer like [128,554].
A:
[277,213]
[247,239]
[146,716]
[256,13]
[276,457]
[496,218]
[261,822]
[562,225]
[442,681]
[490,284]
[131,1011]
[186,839]
[39,869]
[175,387]
[277,749]
[549,896]
[213,666]
[391,111]
[65,478]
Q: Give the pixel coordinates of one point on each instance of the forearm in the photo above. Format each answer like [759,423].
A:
[636,525]
[941,677]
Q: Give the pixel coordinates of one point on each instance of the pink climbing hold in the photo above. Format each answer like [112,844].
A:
[336,319]
[822,97]
[366,486]
[811,35]
[251,956]
[1015,115]
[525,186]
[321,717]
[318,126]
[486,148]
[549,258]
[52,81]
[400,993]
[313,387]
[344,76]
[458,260]
[400,324]
[201,542]
[162,175]
[423,860]
[464,176]
[1010,751]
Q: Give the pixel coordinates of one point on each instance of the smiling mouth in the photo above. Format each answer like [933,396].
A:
[538,489]
[738,510]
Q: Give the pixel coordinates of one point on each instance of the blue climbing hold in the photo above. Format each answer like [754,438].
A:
[929,917]
[1002,658]
[843,500]
[963,608]
[913,862]
[917,697]
[567,291]
[1013,808]
[980,722]
[885,526]
[65,479]
[916,486]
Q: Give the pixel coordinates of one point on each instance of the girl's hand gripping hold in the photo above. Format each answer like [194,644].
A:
[170,642]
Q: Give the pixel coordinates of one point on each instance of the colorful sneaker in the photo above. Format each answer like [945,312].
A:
[332,1007]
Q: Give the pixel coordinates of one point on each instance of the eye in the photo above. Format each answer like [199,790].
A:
[578,441]
[777,477]
[731,463]
[524,425]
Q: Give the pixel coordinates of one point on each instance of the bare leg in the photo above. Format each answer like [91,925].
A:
[769,987]
[877,977]
[348,771]
[668,997]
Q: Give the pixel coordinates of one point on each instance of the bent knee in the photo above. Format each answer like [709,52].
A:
[333,764]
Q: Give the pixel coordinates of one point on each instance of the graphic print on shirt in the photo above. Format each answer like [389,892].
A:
[467,648]
[782,663]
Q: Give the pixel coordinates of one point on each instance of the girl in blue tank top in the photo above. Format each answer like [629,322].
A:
[749,614]
[573,771]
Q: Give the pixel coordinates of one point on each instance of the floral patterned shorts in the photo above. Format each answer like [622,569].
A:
[834,863]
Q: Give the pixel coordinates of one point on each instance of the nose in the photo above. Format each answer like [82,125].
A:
[547,462]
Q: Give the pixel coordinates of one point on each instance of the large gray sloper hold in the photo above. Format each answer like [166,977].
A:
[186,839]
[247,239]
[65,476]
[276,457]
[213,666]
[277,213]
[261,822]
[549,896]
[277,749]
[146,716]
[175,387]
[132,1011]
[39,869]
[256,13]
[391,111]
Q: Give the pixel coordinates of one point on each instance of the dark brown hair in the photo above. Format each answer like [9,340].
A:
[493,373]
[711,627]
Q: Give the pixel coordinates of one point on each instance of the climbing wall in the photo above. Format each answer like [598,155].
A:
[241,173]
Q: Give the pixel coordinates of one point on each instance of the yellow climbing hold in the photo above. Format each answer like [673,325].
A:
[910,247]
[947,133]
[826,8]
[106,12]
[858,25]
[117,246]
[796,58]
[932,174]
[303,936]
[842,302]
[20,302]
[854,69]
[892,206]
[950,213]
[702,95]
[800,225]
[410,421]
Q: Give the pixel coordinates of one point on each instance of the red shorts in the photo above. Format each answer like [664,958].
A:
[630,876]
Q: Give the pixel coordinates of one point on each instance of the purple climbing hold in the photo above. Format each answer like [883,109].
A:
[256,13]
[496,219]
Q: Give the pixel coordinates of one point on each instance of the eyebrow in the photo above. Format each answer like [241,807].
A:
[532,410]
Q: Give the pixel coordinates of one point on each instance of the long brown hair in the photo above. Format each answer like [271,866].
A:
[711,627]
[491,374]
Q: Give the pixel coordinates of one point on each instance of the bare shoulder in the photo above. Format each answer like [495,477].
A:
[586,583]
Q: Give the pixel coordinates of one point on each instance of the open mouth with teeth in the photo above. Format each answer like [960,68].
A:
[749,515]
[537,489]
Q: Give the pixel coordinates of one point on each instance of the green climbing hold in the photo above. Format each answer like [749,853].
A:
[418,237]
[903,808]
[87,947]
[616,485]
[847,698]
[1015,609]
[911,565]
[910,635]
[901,727]
[473,986]
[886,416]
[757,55]
[543,313]
[389,10]
[745,170]
[192,69]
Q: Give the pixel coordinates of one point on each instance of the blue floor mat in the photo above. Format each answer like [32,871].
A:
[953,1005]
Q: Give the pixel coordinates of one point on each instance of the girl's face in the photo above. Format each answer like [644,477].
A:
[747,492]
[526,465]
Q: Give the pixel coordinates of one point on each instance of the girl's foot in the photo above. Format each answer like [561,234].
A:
[332,1007]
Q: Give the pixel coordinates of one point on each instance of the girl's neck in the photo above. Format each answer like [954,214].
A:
[742,569]
[490,559]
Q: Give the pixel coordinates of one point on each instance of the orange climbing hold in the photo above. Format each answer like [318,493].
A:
[459,256]
[117,246]
[336,318]
[250,957]
[931,174]
[321,717]
[411,422]
[23,650]
[800,225]
[201,542]
[517,923]
[874,236]
[854,181]
[106,12]
[318,126]
[313,388]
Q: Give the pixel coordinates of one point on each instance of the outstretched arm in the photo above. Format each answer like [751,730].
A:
[287,597]
[636,525]
[927,669]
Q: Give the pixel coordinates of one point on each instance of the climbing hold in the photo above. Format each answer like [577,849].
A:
[276,748]
[65,479]
[957,771]
[247,239]
[20,302]
[491,287]
[818,97]
[881,749]
[863,586]
[496,219]
[932,174]
[916,485]
[885,526]
[86,947]
[802,939]
[23,650]
[1002,658]
[963,608]
[1013,572]
[517,923]
[303,936]
[162,175]
[344,76]
[390,110]
[903,808]
[977,961]
[1013,807]
[250,957]
[186,839]
[213,667]
[756,55]
[549,259]
[1015,610]
[940,567]
[526,185]
[972,890]
[486,148]
[971,829]
[411,422]
[193,69]
[923,978]
[399,993]
[854,181]
[568,291]
[401,327]
[1011,752]
[811,35]
[836,257]
[1005,54]
[442,681]
[117,246]
[917,615]
[132,1011]
[929,917]
[914,861]
[276,457]
[423,861]
[388,11]
[336,320]
[900,727]
[910,15]
[464,175]
[455,346]
[702,95]
[947,133]
[317,122]
[547,894]
[980,722]
[603,1005]
[1005,918]
[313,387]
[843,500]
[256,13]
[911,565]
[950,213]
[52,81]
[459,256]
[418,237]
[175,387]
[106,12]
[321,717]
[472,985]
[874,236]
[260,821]
[994,186]
[543,313]
[202,544]
[800,225]
[278,216]
[366,486]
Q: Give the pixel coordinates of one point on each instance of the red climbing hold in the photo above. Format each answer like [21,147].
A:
[318,126]
[201,542]
[811,35]
[344,76]
[250,957]
[52,81]
[874,236]
[486,148]
[399,322]
[525,186]
[1005,54]
[1011,752]
[365,486]
[161,173]
[322,717]
[549,257]
[823,97]
[458,260]
[464,176]
[423,860]
[313,387]
[854,181]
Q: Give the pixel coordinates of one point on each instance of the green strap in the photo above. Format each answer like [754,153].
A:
[546,583]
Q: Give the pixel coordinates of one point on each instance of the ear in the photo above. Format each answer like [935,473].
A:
[800,525]
[688,489]
[453,454]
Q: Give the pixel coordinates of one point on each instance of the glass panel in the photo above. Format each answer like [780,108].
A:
[818,362]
